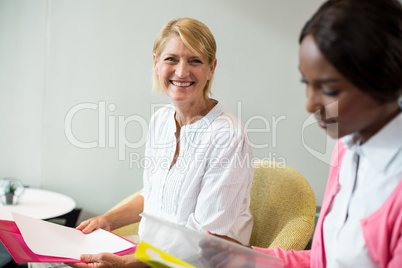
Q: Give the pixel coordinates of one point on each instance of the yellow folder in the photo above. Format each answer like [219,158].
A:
[157,258]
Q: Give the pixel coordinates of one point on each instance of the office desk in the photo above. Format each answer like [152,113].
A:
[38,203]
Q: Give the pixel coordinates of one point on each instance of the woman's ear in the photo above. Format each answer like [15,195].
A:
[155,61]
[212,68]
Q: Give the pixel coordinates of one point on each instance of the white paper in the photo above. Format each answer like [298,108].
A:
[50,239]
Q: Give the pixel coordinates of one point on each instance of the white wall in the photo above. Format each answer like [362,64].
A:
[57,54]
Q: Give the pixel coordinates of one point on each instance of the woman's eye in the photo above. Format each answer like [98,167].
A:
[196,61]
[330,92]
[170,59]
[303,81]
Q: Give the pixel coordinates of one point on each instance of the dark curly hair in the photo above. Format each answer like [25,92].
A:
[363,40]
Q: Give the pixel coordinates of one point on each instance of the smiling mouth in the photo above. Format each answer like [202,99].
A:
[182,84]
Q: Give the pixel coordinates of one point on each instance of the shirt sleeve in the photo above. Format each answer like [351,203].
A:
[291,258]
[223,201]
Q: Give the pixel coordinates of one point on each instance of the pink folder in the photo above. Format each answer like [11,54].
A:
[12,239]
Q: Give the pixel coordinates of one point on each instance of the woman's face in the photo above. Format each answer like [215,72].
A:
[339,107]
[182,74]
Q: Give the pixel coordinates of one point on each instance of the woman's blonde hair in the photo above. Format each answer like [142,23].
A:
[195,36]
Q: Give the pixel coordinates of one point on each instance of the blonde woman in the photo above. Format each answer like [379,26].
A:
[205,171]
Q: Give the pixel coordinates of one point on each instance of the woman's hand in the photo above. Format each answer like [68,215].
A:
[106,260]
[100,222]
[225,255]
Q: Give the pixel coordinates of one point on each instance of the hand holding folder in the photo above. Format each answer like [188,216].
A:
[32,240]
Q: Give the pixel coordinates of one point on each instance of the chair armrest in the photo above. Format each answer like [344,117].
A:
[295,234]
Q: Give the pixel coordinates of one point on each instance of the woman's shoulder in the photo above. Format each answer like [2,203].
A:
[225,127]
[226,119]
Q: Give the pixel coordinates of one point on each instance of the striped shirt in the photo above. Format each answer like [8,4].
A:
[208,187]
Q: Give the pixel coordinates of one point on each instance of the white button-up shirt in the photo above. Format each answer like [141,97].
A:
[368,175]
[208,187]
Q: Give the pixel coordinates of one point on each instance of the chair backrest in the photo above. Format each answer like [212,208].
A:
[283,206]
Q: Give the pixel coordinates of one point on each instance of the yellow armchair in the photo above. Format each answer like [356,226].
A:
[283,206]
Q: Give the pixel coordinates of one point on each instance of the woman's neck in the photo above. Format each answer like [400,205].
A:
[190,113]
[390,111]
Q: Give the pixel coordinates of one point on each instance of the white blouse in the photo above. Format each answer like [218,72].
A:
[208,187]
[368,175]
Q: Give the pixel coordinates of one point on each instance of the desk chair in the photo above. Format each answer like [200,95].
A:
[283,206]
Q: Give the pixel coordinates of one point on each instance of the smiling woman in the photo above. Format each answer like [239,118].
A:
[199,41]
[184,75]
[193,189]
[184,64]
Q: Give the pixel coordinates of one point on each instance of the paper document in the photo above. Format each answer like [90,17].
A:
[49,239]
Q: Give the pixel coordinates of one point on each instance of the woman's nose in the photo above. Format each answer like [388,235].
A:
[182,69]
[313,103]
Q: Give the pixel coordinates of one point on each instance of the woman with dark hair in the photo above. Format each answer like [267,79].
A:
[351,62]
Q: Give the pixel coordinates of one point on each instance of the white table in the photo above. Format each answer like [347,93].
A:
[40,204]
